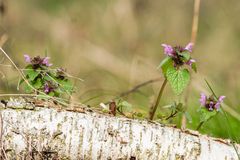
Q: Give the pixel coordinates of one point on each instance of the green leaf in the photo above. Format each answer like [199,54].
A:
[194,67]
[186,56]
[180,107]
[205,114]
[38,83]
[167,62]
[164,61]
[178,79]
[47,78]
[27,88]
[138,114]
[56,94]
[51,94]
[31,73]
[66,85]
[124,106]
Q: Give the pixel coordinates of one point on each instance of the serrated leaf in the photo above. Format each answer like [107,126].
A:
[178,79]
[167,62]
[124,106]
[38,83]
[205,114]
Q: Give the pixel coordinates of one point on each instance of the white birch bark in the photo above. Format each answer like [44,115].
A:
[45,132]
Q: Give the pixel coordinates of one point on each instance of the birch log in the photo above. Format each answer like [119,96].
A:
[45,133]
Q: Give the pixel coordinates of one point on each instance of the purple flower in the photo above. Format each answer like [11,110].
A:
[190,62]
[189,47]
[45,61]
[203,99]
[220,100]
[27,58]
[46,88]
[37,61]
[168,50]
[210,103]
[180,55]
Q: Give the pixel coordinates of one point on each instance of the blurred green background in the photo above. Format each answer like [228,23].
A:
[116,44]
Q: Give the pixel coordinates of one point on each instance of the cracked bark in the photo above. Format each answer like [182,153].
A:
[44,133]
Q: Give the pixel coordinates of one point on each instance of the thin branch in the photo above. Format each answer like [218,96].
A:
[134,89]
[137,87]
[195,20]
[19,71]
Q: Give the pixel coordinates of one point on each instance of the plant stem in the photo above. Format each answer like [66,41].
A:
[199,126]
[152,112]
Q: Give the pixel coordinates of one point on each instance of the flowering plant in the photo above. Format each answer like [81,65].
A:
[52,82]
[210,103]
[175,71]
[210,106]
[174,66]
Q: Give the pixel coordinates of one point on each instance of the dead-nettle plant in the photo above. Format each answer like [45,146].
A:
[175,68]
[210,106]
[41,77]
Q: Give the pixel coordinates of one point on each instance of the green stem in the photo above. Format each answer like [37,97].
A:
[151,113]
[171,115]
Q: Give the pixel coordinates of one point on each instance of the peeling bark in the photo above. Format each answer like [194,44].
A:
[45,133]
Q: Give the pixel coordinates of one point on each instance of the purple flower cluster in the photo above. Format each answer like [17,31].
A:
[37,61]
[210,103]
[173,52]
[48,87]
